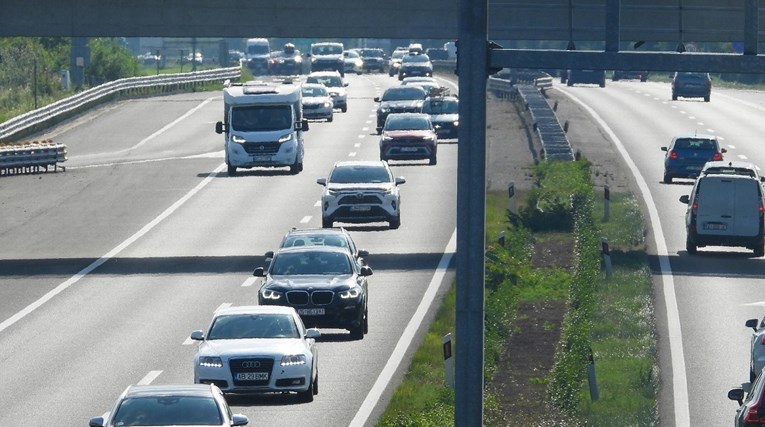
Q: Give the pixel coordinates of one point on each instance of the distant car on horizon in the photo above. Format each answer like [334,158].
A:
[597,77]
[629,75]
[691,85]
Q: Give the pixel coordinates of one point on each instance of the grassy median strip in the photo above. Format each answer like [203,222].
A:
[613,318]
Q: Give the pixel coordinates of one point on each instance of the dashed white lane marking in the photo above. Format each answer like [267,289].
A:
[305,219]
[742,157]
[682,112]
[352,154]
[249,282]
[674,106]
[362,136]
[368,121]
[317,204]
[692,117]
[732,147]
[357,145]
[700,123]
[710,130]
[111,254]
[721,138]
[365,129]
[149,378]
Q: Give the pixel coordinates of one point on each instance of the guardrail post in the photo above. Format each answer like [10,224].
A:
[606,256]
[501,238]
[511,198]
[448,361]
[606,203]
[594,393]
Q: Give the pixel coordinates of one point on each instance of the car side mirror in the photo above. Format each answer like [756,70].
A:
[197,336]
[762,179]
[303,125]
[366,271]
[751,323]
[219,128]
[685,199]
[345,84]
[377,99]
[96,422]
[363,253]
[239,420]
[663,148]
[400,180]
[312,333]
[722,150]
[259,272]
[736,394]
[322,181]
[269,254]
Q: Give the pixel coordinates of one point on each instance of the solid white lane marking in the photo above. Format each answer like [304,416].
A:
[111,254]
[249,282]
[305,219]
[171,124]
[212,155]
[149,378]
[731,146]
[677,357]
[710,130]
[407,337]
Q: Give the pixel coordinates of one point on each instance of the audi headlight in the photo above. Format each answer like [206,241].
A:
[284,138]
[351,293]
[238,139]
[270,294]
[293,359]
[387,139]
[210,362]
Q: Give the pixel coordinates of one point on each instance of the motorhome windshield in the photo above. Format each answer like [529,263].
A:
[261,118]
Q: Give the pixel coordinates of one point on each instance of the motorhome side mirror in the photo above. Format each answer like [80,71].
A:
[304,125]
[751,323]
[321,181]
[685,199]
[219,127]
[663,148]
[259,272]
[736,394]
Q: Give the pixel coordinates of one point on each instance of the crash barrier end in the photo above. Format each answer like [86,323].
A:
[30,157]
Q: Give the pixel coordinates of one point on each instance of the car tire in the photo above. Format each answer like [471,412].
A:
[569,83]
[295,167]
[344,109]
[357,332]
[326,223]
[706,98]
[307,395]
[674,97]
[602,83]
[759,249]
[366,321]
[667,178]
[690,245]
[330,119]
[395,222]
[231,170]
[433,161]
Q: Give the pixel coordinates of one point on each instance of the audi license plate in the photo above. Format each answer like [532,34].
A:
[361,208]
[252,376]
[715,226]
[311,311]
[408,149]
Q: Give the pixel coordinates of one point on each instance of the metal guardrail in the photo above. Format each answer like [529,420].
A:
[31,157]
[554,141]
[56,111]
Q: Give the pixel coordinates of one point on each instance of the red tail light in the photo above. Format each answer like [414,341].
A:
[751,415]
[763,339]
[761,209]
[672,155]
[717,156]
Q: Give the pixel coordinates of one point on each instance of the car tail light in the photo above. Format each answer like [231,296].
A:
[673,154]
[762,340]
[751,415]
[717,156]
[761,208]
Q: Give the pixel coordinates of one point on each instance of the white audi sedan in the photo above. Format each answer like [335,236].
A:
[258,349]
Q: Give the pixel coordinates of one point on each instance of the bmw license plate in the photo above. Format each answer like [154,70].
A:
[715,226]
[361,208]
[311,311]
[252,376]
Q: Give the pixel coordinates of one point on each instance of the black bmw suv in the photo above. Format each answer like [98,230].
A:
[399,99]
[324,284]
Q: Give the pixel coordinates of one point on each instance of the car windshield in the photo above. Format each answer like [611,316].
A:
[311,263]
[359,175]
[404,93]
[257,49]
[328,81]
[350,54]
[440,106]
[168,411]
[372,53]
[409,59]
[313,91]
[398,54]
[328,49]
[695,144]
[261,118]
[315,240]
[253,326]
[691,75]
[407,123]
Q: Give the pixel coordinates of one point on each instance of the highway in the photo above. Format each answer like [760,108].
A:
[105,269]
[702,300]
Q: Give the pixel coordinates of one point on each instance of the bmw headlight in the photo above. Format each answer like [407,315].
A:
[351,293]
[384,110]
[298,59]
[210,362]
[238,139]
[387,139]
[327,104]
[293,359]
[270,294]
[284,138]
[456,123]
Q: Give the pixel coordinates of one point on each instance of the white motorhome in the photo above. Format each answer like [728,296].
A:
[263,126]
[258,56]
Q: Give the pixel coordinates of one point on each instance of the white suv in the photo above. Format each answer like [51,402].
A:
[360,192]
[335,86]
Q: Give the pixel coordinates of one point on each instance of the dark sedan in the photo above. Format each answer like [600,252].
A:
[324,284]
[691,85]
[444,114]
[399,99]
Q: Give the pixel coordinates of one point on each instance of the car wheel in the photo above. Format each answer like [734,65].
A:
[231,170]
[307,396]
[295,167]
[344,109]
[690,245]
[667,178]
[674,97]
[759,249]
[602,83]
[357,332]
[395,222]
[316,385]
[326,223]
[330,118]
[569,83]
[366,321]
[706,98]
[433,161]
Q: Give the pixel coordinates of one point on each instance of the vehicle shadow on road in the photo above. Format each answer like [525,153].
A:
[242,173]
[271,399]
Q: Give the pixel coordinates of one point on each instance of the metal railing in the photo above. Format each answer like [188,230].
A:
[31,157]
[36,119]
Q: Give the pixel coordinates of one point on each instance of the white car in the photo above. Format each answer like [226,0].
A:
[258,349]
[317,104]
[757,360]
[335,85]
[359,192]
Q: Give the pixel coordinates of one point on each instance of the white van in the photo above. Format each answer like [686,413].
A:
[725,210]
[257,56]
[263,125]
